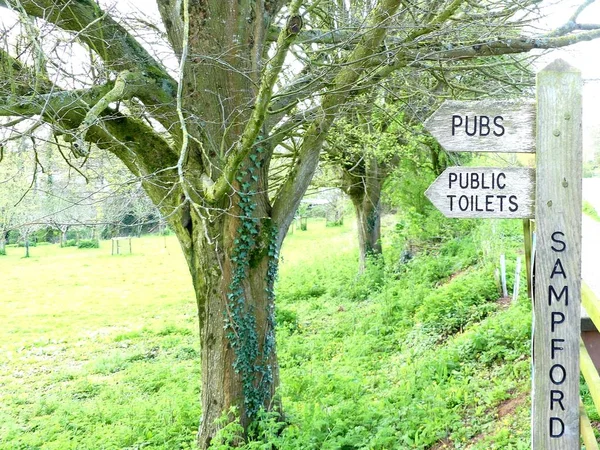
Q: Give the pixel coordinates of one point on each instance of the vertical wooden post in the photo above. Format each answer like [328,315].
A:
[555,416]
[527,240]
[503,275]
[517,281]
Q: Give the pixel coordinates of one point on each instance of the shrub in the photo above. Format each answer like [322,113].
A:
[286,318]
[31,244]
[88,243]
[70,243]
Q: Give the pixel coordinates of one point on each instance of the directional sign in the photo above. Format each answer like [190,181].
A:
[484,126]
[484,192]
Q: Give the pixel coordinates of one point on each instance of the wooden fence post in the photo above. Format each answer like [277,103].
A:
[555,415]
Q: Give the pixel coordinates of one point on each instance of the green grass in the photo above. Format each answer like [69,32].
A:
[101,352]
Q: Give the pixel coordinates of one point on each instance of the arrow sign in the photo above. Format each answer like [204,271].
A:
[484,192]
[484,126]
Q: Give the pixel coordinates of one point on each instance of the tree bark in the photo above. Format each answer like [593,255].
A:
[364,184]
[2,243]
[233,263]
[367,209]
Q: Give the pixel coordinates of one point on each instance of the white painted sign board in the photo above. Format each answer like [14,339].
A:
[484,192]
[484,126]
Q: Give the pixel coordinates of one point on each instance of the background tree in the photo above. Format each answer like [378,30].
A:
[251,75]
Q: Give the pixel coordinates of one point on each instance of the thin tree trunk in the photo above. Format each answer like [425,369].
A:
[368,220]
[27,245]
[2,243]
[364,186]
[63,238]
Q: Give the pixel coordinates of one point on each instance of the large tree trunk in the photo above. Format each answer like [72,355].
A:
[233,261]
[230,248]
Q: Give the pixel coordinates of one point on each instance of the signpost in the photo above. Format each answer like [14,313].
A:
[484,126]
[468,192]
[484,192]
[557,290]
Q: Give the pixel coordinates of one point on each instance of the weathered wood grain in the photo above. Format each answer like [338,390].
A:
[510,126]
[513,197]
[555,415]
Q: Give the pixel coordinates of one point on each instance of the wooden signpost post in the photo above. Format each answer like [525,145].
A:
[557,289]
[509,126]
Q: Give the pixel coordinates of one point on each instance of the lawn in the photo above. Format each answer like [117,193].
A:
[101,351]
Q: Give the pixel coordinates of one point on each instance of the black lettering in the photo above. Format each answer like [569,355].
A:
[451,197]
[555,347]
[563,374]
[558,269]
[484,126]
[463,180]
[558,241]
[503,176]
[474,180]
[461,205]
[552,292]
[560,395]
[456,124]
[513,201]
[477,208]
[557,319]
[467,126]
[553,433]
[488,203]
[452,177]
[498,122]
[501,198]
[483,185]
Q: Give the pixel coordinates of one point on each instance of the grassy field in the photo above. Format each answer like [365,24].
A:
[101,351]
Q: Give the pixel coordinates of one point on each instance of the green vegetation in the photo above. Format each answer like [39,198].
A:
[590,211]
[102,352]
[88,243]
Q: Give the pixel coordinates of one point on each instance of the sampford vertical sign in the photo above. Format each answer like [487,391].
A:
[466,192]
[557,294]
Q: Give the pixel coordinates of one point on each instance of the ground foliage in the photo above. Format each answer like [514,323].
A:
[405,356]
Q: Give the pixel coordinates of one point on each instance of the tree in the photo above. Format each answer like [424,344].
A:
[11,189]
[382,130]
[252,75]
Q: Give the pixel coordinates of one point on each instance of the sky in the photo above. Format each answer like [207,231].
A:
[586,57]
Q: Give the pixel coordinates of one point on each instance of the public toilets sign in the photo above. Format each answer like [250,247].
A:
[464,192]
[551,128]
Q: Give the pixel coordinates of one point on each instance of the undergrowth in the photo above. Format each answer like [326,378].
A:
[414,351]
[424,353]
